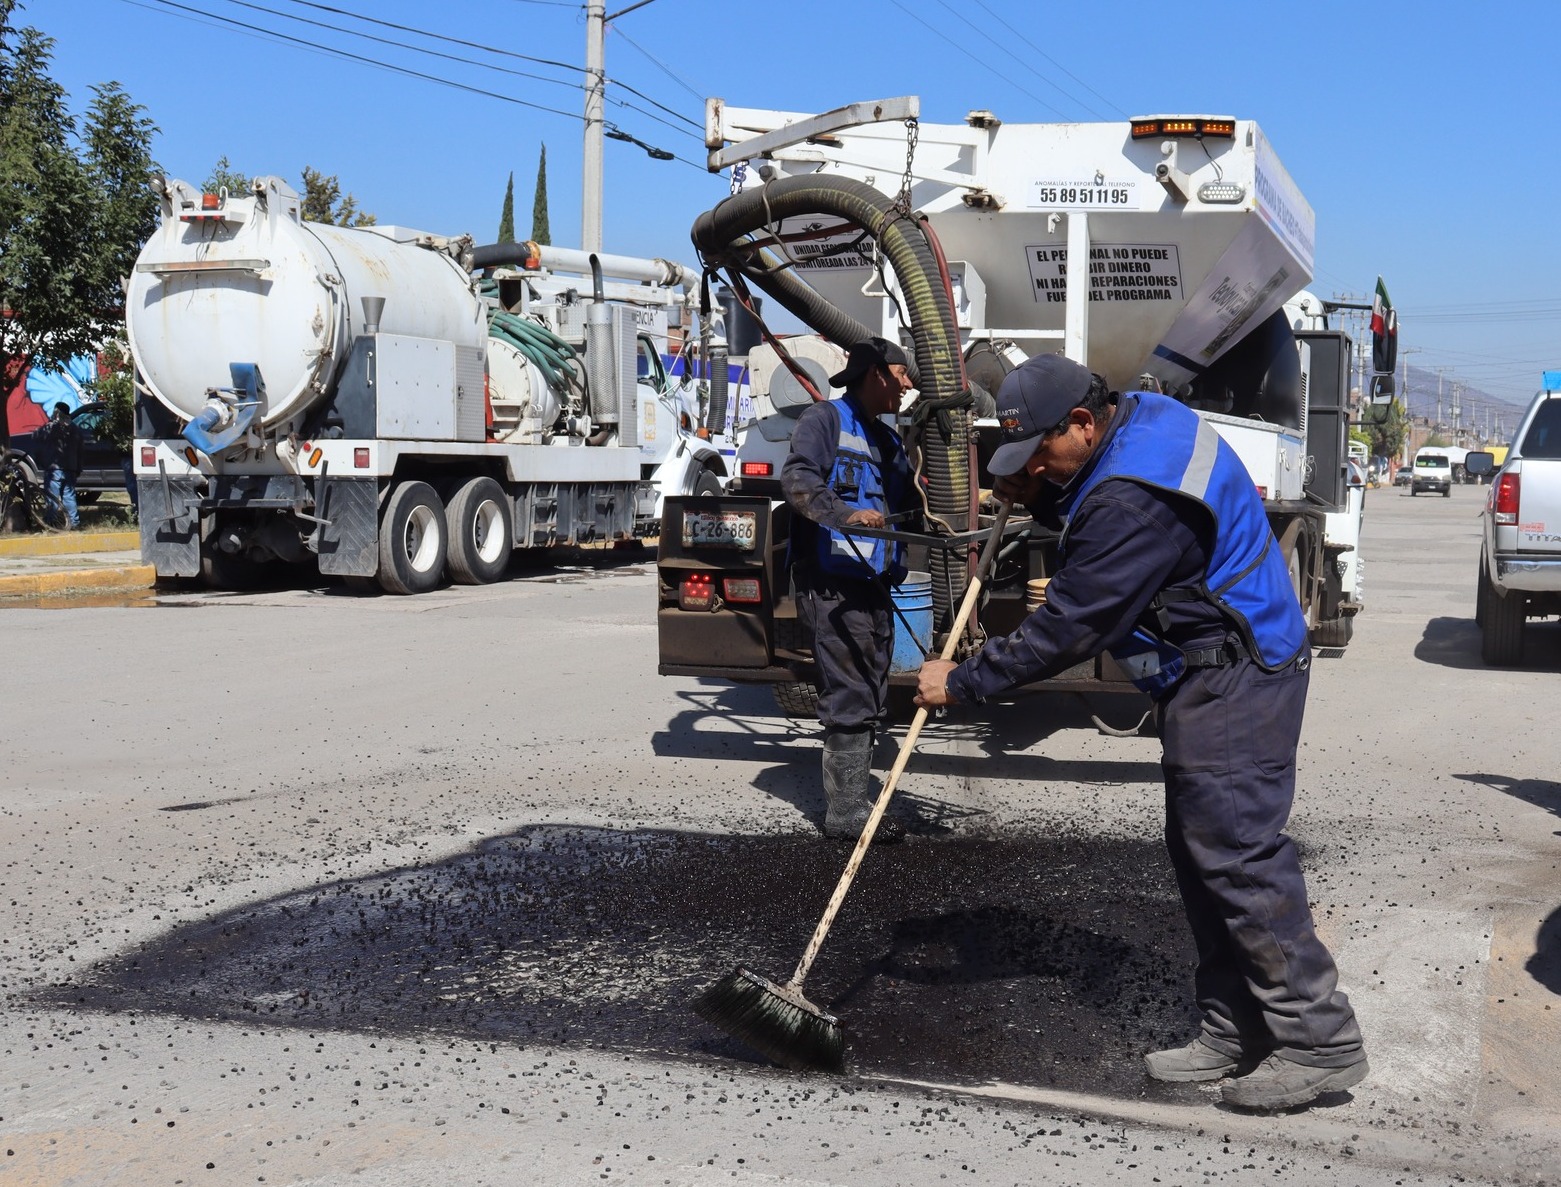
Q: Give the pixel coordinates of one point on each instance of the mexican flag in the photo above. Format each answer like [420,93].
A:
[1383,321]
[1384,331]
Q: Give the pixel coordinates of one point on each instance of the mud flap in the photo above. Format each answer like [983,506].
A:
[169,511]
[349,541]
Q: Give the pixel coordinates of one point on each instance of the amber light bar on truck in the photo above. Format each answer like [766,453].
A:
[1196,127]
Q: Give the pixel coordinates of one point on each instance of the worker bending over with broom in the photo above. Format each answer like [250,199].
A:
[848,469]
[1168,564]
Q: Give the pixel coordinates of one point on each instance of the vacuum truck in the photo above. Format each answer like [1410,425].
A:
[393,406]
[1168,254]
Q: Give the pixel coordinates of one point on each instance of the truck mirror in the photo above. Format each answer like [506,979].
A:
[1479,463]
[1382,389]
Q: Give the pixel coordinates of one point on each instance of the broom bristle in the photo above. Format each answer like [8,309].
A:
[775,1021]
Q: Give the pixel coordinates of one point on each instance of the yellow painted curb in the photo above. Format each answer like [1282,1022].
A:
[70,542]
[23,585]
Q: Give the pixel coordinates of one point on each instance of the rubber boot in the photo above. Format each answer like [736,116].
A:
[850,788]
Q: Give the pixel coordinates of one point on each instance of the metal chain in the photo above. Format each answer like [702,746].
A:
[912,133]
[739,175]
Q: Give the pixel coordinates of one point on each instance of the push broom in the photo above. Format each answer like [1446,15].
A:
[778,1021]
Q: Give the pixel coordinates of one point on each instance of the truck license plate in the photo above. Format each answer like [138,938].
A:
[721,529]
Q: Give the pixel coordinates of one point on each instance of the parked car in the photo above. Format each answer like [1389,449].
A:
[1433,473]
[1520,555]
[102,464]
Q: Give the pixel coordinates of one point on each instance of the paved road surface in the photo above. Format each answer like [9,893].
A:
[306,888]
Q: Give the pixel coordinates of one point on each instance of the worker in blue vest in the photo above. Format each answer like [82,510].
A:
[848,469]
[1169,565]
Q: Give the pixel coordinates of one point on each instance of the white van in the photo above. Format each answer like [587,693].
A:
[1433,471]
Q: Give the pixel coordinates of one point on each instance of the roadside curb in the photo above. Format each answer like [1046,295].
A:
[123,577]
[71,543]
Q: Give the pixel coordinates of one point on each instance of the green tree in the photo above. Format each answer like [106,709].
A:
[325,203]
[507,215]
[1387,427]
[73,211]
[225,177]
[115,387]
[540,231]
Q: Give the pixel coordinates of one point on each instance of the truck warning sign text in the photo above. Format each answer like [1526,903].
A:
[1117,272]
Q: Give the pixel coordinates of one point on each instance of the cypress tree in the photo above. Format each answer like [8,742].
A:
[540,231]
[507,215]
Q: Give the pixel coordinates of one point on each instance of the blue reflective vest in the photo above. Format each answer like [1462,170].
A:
[1166,446]
[862,484]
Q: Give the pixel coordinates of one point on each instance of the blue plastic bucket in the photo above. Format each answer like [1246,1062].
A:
[913,597]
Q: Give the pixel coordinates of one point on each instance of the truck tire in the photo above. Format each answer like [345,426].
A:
[796,700]
[481,532]
[1481,594]
[1334,632]
[1291,548]
[412,540]
[1501,633]
[706,484]
[1447,491]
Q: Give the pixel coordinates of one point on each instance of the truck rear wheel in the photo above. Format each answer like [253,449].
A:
[481,532]
[412,540]
[1501,632]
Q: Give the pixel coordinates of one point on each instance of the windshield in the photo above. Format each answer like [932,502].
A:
[1434,460]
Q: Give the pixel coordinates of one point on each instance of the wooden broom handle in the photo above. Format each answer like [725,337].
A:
[966,608]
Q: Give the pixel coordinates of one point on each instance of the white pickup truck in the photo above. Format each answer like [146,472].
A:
[1520,560]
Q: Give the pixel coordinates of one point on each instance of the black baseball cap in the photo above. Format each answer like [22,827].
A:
[1034,398]
[864,356]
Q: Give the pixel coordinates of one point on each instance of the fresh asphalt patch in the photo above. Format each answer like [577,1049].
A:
[1051,961]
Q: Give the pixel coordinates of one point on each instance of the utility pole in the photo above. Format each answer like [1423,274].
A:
[596,22]
[595,103]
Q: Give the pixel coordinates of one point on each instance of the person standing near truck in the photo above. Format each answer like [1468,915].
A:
[848,469]
[1169,565]
[59,449]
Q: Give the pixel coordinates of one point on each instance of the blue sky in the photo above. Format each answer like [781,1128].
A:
[1421,134]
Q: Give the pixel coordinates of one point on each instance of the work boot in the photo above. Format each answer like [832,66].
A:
[1196,1061]
[1280,1083]
[850,789]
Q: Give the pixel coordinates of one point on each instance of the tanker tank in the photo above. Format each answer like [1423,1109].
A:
[231,279]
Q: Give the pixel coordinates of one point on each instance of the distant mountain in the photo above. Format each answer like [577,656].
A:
[1476,409]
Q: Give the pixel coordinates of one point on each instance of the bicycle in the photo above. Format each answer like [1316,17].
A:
[24,504]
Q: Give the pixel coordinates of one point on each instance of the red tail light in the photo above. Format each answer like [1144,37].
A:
[697,592]
[758,469]
[148,456]
[1507,487]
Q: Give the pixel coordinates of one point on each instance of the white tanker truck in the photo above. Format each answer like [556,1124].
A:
[356,398]
[1165,253]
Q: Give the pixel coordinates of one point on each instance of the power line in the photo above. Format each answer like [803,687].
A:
[438,36]
[961,16]
[418,49]
[341,53]
[1051,59]
[272,34]
[978,61]
[665,69]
